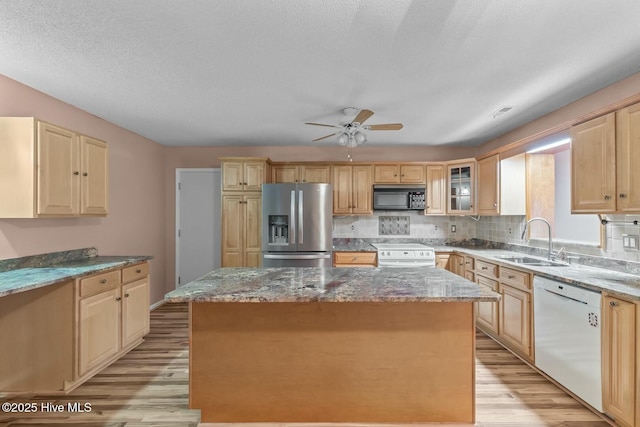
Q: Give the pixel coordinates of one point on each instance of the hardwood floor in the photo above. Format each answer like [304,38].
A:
[149,387]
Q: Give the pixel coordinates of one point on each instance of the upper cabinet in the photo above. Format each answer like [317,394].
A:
[399,174]
[489,185]
[461,188]
[605,153]
[49,171]
[436,203]
[303,173]
[352,187]
[244,174]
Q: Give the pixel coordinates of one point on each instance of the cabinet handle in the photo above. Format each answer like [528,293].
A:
[76,173]
[613,303]
[495,205]
[607,197]
[85,174]
[119,299]
[354,259]
[138,270]
[126,295]
[622,195]
[511,276]
[103,281]
[484,268]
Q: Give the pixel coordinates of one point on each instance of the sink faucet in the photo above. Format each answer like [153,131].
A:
[524,232]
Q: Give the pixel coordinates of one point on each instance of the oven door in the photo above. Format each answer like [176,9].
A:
[401,263]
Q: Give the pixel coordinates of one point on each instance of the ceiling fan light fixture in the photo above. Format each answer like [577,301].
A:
[360,137]
[343,138]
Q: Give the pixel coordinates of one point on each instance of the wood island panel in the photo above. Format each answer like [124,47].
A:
[405,362]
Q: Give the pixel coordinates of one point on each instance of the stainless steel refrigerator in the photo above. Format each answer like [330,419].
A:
[296,225]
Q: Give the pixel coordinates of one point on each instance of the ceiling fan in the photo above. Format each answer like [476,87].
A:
[351,134]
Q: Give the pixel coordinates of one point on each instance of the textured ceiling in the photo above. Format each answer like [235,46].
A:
[246,72]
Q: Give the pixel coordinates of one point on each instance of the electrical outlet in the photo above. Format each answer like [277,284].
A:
[353,227]
[509,230]
[453,228]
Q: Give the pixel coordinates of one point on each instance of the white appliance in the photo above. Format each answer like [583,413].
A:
[405,255]
[567,337]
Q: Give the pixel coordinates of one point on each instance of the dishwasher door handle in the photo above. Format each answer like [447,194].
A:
[564,296]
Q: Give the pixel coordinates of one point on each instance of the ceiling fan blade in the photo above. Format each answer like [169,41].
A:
[320,124]
[387,126]
[363,115]
[323,137]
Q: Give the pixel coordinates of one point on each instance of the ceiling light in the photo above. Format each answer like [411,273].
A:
[343,138]
[500,112]
[360,138]
[549,146]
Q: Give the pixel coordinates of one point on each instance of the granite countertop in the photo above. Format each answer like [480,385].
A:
[289,284]
[24,274]
[354,247]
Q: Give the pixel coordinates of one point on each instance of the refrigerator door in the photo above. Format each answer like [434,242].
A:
[314,207]
[297,259]
[279,211]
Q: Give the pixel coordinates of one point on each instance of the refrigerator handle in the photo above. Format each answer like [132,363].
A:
[292,220]
[300,218]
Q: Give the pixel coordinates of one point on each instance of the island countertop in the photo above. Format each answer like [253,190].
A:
[289,284]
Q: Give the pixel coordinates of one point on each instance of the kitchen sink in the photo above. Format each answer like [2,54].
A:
[525,260]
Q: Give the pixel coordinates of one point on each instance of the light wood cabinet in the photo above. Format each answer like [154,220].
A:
[244,174]
[442,261]
[456,264]
[605,153]
[489,185]
[352,190]
[487,312]
[241,225]
[355,259]
[399,174]
[307,173]
[111,320]
[510,320]
[619,380]
[461,188]
[50,171]
[436,203]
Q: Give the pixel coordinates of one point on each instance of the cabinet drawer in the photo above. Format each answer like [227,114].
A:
[515,278]
[486,269]
[469,263]
[354,258]
[135,272]
[99,283]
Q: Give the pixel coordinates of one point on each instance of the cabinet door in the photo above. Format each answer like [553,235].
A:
[456,264]
[442,261]
[135,311]
[362,190]
[487,312]
[386,174]
[515,318]
[252,218]
[284,173]
[58,171]
[412,174]
[94,180]
[253,176]
[461,188]
[618,359]
[436,185]
[628,159]
[342,183]
[593,168]
[355,259]
[99,329]
[489,185]
[232,176]
[232,230]
[316,174]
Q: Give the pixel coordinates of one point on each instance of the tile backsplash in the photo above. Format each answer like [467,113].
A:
[499,229]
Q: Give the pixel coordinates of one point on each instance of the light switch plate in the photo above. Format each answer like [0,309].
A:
[630,241]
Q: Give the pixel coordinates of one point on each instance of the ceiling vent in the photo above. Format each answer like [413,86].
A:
[500,112]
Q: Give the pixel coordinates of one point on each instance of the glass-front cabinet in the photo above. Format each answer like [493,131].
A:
[461,190]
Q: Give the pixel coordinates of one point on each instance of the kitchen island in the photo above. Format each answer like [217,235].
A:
[332,345]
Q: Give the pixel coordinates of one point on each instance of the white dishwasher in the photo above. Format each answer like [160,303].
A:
[567,337]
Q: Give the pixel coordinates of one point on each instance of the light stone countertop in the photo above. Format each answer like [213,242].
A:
[289,284]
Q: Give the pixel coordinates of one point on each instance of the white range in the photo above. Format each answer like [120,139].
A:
[405,255]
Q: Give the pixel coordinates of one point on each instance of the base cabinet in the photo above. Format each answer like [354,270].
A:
[619,356]
[355,259]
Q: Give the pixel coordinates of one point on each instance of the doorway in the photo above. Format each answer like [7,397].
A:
[198,228]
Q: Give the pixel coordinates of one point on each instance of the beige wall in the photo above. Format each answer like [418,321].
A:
[135,224]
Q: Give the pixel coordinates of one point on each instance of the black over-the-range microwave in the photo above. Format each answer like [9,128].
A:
[396,197]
